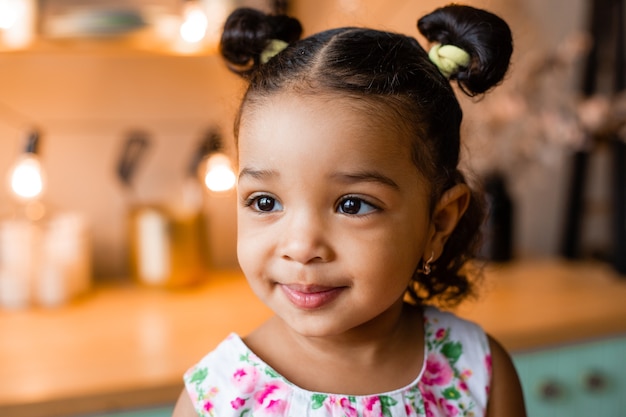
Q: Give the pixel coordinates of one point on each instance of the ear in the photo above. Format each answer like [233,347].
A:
[448,211]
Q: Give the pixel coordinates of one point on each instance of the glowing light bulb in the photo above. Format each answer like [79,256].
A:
[195,23]
[17,23]
[26,177]
[10,11]
[219,174]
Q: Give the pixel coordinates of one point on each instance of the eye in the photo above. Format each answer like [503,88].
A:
[355,206]
[264,203]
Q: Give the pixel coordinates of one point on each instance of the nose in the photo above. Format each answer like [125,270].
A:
[305,239]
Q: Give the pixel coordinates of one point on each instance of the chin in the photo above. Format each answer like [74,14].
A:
[313,327]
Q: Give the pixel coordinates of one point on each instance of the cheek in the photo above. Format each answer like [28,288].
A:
[399,249]
[245,246]
[253,245]
[392,257]
[249,263]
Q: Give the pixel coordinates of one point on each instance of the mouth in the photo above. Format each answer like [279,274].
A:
[311,297]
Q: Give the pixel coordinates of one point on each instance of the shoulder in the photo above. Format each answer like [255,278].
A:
[506,398]
[209,381]
[439,324]
[233,381]
[184,407]
[483,355]
[458,360]
[217,363]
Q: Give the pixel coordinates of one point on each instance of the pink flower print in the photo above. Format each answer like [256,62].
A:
[272,399]
[237,403]
[245,379]
[430,402]
[372,407]
[488,364]
[427,395]
[208,406]
[441,333]
[465,375]
[428,409]
[340,406]
[347,408]
[438,370]
[449,409]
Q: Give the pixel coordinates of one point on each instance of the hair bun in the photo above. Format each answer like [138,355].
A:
[247,32]
[484,36]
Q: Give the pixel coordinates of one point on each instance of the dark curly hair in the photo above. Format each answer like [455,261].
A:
[394,74]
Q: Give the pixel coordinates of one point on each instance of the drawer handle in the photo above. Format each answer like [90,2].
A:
[551,390]
[595,381]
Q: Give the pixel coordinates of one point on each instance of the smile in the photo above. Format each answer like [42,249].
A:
[311,297]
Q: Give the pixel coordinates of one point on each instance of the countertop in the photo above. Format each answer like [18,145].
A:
[127,346]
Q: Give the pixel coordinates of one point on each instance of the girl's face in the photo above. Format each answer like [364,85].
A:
[333,215]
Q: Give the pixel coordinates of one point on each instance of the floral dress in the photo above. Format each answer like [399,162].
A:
[232,381]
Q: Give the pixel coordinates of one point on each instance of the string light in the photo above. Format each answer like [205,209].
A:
[195,23]
[26,178]
[17,23]
[9,13]
[219,174]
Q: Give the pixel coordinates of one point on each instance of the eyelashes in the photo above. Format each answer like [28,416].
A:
[263,203]
[349,205]
[355,206]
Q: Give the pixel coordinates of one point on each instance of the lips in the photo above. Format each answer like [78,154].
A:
[310,297]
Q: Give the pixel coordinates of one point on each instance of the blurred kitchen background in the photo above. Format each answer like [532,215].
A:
[116,159]
[88,75]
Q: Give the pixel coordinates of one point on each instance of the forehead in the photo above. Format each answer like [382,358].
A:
[316,118]
[308,141]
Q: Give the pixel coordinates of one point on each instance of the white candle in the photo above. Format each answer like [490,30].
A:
[17,240]
[153,250]
[65,267]
[45,263]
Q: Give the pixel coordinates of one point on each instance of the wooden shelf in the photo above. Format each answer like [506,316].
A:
[119,347]
[107,46]
[533,305]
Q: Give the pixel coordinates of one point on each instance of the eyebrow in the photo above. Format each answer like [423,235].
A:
[258,174]
[347,177]
[365,176]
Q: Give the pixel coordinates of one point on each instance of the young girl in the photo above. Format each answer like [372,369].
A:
[353,220]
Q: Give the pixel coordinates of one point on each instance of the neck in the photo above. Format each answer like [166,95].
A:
[376,335]
[390,347]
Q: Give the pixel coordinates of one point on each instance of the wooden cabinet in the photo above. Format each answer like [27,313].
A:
[580,380]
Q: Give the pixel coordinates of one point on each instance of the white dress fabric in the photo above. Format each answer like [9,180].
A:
[231,381]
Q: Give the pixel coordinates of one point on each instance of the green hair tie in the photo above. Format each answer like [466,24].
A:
[448,58]
[273,48]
